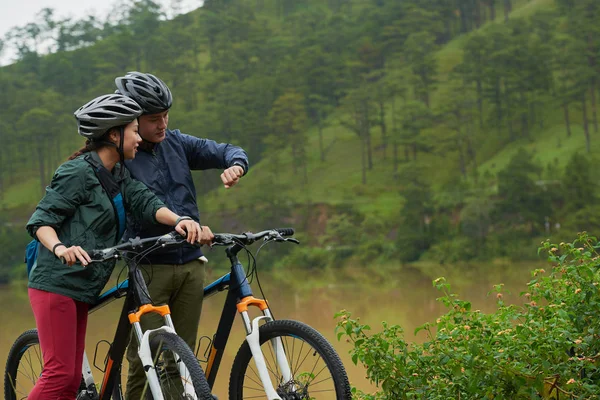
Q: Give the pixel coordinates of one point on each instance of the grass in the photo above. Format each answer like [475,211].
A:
[339,179]
[25,192]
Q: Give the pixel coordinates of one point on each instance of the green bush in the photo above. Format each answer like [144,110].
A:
[452,251]
[546,348]
[307,257]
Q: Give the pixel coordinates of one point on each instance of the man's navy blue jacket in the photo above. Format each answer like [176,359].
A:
[166,171]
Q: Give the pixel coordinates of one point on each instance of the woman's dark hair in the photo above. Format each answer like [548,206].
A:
[91,145]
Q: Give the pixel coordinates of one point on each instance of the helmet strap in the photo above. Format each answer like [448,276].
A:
[147,145]
[120,150]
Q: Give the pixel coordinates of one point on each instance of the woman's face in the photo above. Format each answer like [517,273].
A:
[131,140]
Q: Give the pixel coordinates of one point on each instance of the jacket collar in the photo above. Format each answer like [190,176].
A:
[116,172]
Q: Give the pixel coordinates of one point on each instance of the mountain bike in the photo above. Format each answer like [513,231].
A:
[159,349]
[291,360]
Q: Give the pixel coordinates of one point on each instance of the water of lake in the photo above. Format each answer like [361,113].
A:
[398,295]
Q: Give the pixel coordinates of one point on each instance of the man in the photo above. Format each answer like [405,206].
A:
[164,164]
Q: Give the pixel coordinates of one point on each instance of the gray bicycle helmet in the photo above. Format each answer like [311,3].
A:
[96,117]
[152,94]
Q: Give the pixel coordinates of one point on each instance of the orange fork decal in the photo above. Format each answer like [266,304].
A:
[251,301]
[211,360]
[109,364]
[148,308]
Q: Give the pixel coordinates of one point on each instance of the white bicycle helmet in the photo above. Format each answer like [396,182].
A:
[96,117]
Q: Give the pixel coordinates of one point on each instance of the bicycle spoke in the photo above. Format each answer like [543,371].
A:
[297,366]
[319,373]
[304,359]
[254,380]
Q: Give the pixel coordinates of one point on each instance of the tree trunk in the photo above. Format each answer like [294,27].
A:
[212,45]
[498,101]
[364,163]
[407,153]
[461,154]
[567,120]
[483,12]
[524,120]
[9,161]
[593,98]
[507,9]
[320,127]
[305,170]
[463,18]
[592,64]
[492,4]
[395,159]
[532,116]
[2,169]
[42,169]
[369,150]
[295,158]
[480,102]
[383,127]
[585,123]
[477,14]
[470,149]
[448,29]
[367,133]
[509,118]
[58,155]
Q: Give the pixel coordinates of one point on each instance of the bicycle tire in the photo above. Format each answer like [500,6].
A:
[26,340]
[294,330]
[173,343]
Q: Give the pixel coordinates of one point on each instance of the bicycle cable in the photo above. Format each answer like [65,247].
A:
[150,274]
[257,277]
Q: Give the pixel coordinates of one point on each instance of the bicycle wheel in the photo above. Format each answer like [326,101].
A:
[317,371]
[24,366]
[163,345]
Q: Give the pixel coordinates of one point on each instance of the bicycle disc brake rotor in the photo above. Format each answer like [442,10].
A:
[293,390]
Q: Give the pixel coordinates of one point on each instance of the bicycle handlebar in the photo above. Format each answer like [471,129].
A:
[174,238]
[225,239]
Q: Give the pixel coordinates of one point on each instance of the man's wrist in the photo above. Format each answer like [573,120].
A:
[239,165]
[183,218]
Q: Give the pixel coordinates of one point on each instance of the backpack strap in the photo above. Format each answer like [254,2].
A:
[112,189]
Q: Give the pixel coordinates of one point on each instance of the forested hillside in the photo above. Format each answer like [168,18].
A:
[443,130]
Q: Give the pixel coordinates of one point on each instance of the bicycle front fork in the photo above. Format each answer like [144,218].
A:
[253,339]
[145,352]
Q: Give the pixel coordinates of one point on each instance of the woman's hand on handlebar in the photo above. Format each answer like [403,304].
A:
[194,233]
[70,255]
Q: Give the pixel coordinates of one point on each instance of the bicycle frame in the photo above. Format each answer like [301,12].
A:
[136,298]
[239,299]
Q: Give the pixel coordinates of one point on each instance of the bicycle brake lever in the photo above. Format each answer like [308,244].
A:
[283,239]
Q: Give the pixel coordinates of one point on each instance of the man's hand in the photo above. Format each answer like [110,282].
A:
[189,229]
[232,175]
[194,233]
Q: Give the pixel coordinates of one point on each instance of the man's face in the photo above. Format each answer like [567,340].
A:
[153,126]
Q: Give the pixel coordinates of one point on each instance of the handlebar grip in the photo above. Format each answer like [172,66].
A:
[285,231]
[63,260]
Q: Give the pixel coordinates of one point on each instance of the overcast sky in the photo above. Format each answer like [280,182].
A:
[20,12]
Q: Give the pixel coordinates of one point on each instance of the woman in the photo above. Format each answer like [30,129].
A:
[77,214]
